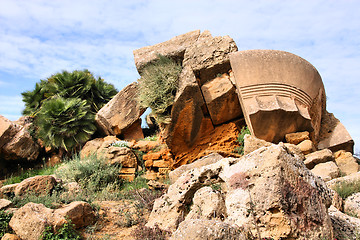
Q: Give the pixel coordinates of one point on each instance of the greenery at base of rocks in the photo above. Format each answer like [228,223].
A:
[120,143]
[45,170]
[347,188]
[65,232]
[4,223]
[157,87]
[240,140]
[64,106]
[93,173]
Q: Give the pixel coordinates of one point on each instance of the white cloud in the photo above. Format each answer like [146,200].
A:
[39,38]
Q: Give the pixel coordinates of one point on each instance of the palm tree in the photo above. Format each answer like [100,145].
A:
[65,123]
[34,99]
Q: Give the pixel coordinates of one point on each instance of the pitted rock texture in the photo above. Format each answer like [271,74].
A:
[269,190]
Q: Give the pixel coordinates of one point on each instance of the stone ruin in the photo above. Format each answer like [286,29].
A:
[220,90]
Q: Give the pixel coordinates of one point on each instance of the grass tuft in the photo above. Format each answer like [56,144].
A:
[346,189]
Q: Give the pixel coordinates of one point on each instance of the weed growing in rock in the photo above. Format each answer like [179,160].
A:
[120,143]
[4,223]
[157,87]
[345,189]
[240,140]
[66,232]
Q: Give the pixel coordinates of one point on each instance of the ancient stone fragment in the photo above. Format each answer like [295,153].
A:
[327,171]
[252,143]
[354,177]
[352,205]
[9,236]
[317,157]
[38,185]
[173,48]
[209,56]
[121,155]
[306,147]
[280,93]
[346,162]
[345,226]
[21,146]
[187,118]
[333,135]
[121,112]
[221,100]
[133,132]
[207,160]
[7,131]
[298,137]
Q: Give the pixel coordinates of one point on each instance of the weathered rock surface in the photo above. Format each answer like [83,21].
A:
[350,178]
[196,229]
[221,99]
[265,190]
[7,131]
[306,147]
[326,171]
[352,205]
[252,143]
[8,190]
[337,201]
[345,226]
[187,119]
[346,162]
[298,137]
[173,48]
[206,160]
[317,157]
[4,203]
[209,56]
[333,135]
[280,87]
[121,112]
[9,236]
[30,221]
[207,204]
[21,146]
[121,155]
[134,132]
[38,185]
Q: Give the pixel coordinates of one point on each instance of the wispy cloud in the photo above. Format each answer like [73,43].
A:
[39,38]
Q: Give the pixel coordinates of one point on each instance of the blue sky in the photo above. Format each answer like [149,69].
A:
[39,38]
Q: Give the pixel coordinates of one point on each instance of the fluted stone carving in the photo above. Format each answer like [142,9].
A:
[279,92]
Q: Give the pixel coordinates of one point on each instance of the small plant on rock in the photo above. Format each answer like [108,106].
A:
[66,232]
[347,188]
[157,87]
[4,223]
[240,140]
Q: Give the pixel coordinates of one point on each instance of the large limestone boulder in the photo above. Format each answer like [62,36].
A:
[352,205]
[209,56]
[333,135]
[21,146]
[7,131]
[38,185]
[346,162]
[187,118]
[196,229]
[269,191]
[121,112]
[327,171]
[221,99]
[345,226]
[31,220]
[252,143]
[317,157]
[280,87]
[173,48]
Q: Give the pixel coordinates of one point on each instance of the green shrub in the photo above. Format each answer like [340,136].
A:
[4,223]
[240,140]
[347,188]
[66,104]
[65,123]
[158,85]
[92,173]
[120,143]
[66,232]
